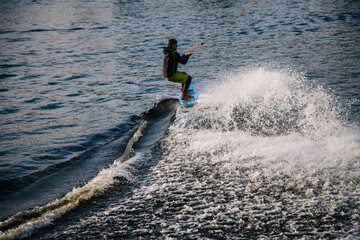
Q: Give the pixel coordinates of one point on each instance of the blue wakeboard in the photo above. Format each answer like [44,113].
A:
[193,94]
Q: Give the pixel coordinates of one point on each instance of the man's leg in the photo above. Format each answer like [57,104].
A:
[185,80]
[185,87]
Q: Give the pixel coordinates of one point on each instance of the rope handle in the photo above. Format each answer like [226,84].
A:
[195,48]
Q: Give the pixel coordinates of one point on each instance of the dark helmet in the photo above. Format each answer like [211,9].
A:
[171,42]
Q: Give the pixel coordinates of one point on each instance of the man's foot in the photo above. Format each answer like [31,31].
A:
[186,97]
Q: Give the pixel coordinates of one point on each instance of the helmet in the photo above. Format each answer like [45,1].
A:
[171,42]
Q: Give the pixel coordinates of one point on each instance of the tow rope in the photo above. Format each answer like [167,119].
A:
[195,48]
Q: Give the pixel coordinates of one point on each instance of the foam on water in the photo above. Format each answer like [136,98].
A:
[281,145]
[274,118]
[268,123]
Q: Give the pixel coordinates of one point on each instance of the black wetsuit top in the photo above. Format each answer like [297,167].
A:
[171,58]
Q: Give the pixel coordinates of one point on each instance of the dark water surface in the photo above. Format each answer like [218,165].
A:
[270,149]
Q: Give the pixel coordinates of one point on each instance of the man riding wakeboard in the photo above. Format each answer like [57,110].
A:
[171,58]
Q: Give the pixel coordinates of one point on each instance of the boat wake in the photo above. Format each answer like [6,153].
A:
[120,173]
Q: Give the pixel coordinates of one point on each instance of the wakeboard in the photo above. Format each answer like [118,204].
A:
[193,94]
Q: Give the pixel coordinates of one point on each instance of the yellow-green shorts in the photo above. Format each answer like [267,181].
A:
[179,77]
